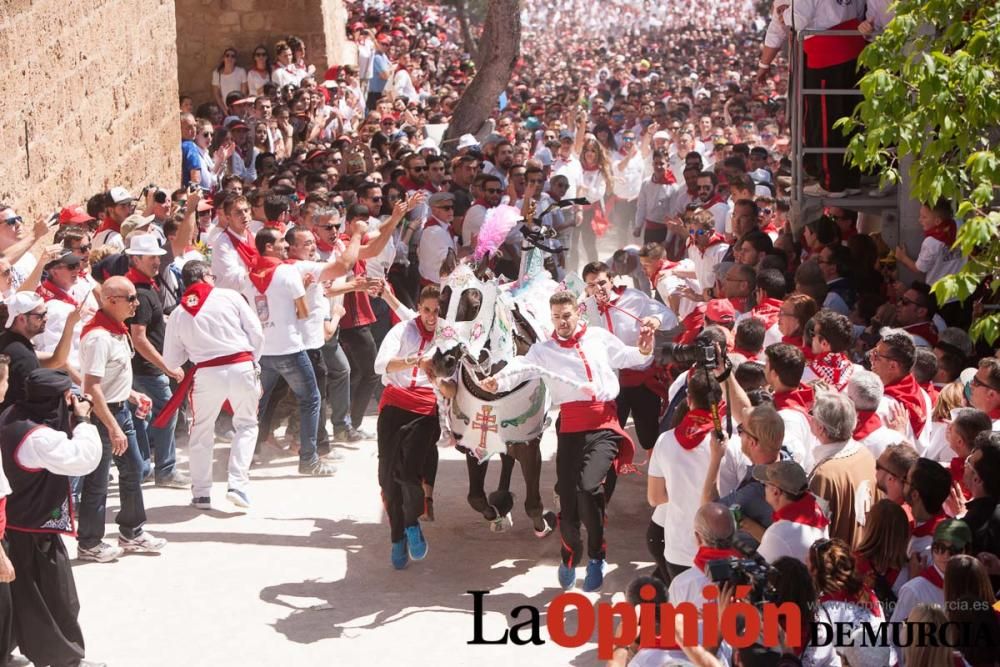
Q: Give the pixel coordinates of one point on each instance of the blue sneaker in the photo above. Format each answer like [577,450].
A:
[567,576]
[595,575]
[238,498]
[415,543]
[399,557]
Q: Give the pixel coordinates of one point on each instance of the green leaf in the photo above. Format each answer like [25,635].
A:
[986,328]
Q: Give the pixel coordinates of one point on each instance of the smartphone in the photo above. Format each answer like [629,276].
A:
[53,219]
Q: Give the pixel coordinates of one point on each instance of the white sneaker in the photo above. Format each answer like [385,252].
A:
[143,543]
[102,552]
[816,190]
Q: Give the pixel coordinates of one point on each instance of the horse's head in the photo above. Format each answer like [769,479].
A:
[445,362]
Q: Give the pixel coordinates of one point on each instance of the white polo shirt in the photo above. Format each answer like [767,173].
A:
[109,358]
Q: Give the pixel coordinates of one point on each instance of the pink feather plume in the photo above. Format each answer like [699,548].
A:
[499,221]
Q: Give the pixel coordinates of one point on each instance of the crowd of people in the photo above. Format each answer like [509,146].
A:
[797,392]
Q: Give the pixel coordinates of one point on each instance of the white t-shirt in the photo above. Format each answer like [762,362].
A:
[937,260]
[786,538]
[684,475]
[256,81]
[318,304]
[229,83]
[109,358]
[21,269]
[276,311]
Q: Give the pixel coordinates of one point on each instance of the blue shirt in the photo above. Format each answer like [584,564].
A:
[190,159]
[380,65]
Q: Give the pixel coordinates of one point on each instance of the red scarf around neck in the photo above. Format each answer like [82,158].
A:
[613,296]
[706,555]
[322,245]
[666,177]
[263,272]
[769,228]
[957,469]
[715,239]
[48,290]
[108,224]
[695,425]
[868,422]
[908,392]
[925,330]
[426,335]
[715,199]
[800,399]
[102,321]
[932,391]
[833,367]
[276,224]
[661,270]
[247,251]
[805,511]
[932,575]
[767,311]
[137,278]
[194,297]
[945,232]
[573,340]
[927,528]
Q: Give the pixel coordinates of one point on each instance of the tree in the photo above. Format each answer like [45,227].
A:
[932,91]
[462,14]
[499,49]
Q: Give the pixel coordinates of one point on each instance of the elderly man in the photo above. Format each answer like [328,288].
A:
[844,471]
[714,531]
[799,518]
[865,391]
[106,366]
[892,360]
[437,239]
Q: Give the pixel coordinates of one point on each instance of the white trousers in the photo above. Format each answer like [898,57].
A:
[240,385]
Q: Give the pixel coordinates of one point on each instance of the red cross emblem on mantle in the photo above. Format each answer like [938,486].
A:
[485,422]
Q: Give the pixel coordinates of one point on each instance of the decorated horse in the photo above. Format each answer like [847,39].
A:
[484,325]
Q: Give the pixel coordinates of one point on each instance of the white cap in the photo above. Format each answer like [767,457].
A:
[661,135]
[120,195]
[144,244]
[467,141]
[428,144]
[21,303]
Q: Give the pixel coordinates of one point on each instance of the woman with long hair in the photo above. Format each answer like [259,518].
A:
[792,583]
[593,186]
[228,78]
[260,74]
[881,556]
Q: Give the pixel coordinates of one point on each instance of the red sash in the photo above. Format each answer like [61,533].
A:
[187,384]
[194,297]
[420,400]
[48,290]
[102,321]
[767,311]
[868,422]
[927,528]
[800,399]
[824,51]
[945,232]
[706,555]
[907,392]
[263,272]
[805,511]
[649,377]
[586,416]
[247,251]
[693,428]
[137,278]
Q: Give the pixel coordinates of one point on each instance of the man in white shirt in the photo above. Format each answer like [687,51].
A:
[578,367]
[437,239]
[714,531]
[233,251]
[865,391]
[120,204]
[61,291]
[220,334]
[276,291]
[710,200]
[491,192]
[106,366]
[799,518]
[986,389]
[793,400]
[892,360]
[626,170]
[16,242]
[654,204]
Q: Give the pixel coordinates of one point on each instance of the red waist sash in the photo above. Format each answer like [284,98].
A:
[420,400]
[174,404]
[585,416]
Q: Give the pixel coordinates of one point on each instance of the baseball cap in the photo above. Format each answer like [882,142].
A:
[134,222]
[954,532]
[144,244]
[316,153]
[721,311]
[74,215]
[384,38]
[566,134]
[68,258]
[661,135]
[120,195]
[786,475]
[21,303]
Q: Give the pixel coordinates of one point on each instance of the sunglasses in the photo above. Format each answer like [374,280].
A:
[260,55]
[941,548]
[699,232]
[742,431]
[445,208]
[882,468]
[905,301]
[131,298]
[419,169]
[14,220]
[493,191]
[376,198]
[976,382]
[82,248]
[208,135]
[338,204]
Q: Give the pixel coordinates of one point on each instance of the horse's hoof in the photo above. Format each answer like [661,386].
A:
[502,524]
[549,523]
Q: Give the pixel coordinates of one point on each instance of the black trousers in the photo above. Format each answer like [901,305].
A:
[656,234]
[405,441]
[821,112]
[673,570]
[44,597]
[359,346]
[529,456]
[655,544]
[583,460]
[644,406]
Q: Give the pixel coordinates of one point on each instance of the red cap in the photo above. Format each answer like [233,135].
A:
[398,33]
[74,215]
[384,38]
[238,125]
[721,311]
[315,153]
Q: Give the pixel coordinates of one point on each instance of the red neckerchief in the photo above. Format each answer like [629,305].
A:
[662,267]
[927,528]
[247,251]
[695,425]
[194,297]
[945,232]
[739,303]
[767,311]
[102,321]
[276,224]
[431,221]
[715,199]
[931,390]
[715,239]
[868,421]
[866,598]
[769,228]
[324,246]
[750,356]
[693,323]
[137,278]
[664,178]
[805,511]
[957,469]
[925,330]
[834,367]
[932,575]
[907,392]
[425,335]
[263,272]
[800,399]
[706,555]
[106,224]
[573,340]
[48,290]
[604,306]
[994,414]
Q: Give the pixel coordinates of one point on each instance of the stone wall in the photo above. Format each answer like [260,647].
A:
[88,99]
[205,28]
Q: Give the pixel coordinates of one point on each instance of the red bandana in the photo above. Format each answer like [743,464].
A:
[769,228]
[800,399]
[573,340]
[695,425]
[247,251]
[767,311]
[410,186]
[263,272]
[907,392]
[706,555]
[137,278]
[716,199]
[715,239]
[322,245]
[868,422]
[932,391]
[957,469]
[932,575]
[194,297]
[805,511]
[48,290]
[927,528]
[739,303]
[276,224]
[945,232]
[102,321]
[666,177]
[108,224]
[834,367]
[425,335]
[661,269]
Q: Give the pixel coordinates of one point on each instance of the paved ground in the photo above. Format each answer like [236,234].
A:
[304,577]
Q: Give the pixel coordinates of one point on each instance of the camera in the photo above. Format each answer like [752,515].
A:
[701,353]
[753,572]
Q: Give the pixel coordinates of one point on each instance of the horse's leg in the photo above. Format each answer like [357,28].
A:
[477,487]
[529,455]
[502,500]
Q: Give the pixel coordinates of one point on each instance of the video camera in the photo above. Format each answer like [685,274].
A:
[700,353]
[749,570]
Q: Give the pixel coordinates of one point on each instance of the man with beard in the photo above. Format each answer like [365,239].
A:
[710,200]
[503,160]
[491,192]
[892,360]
